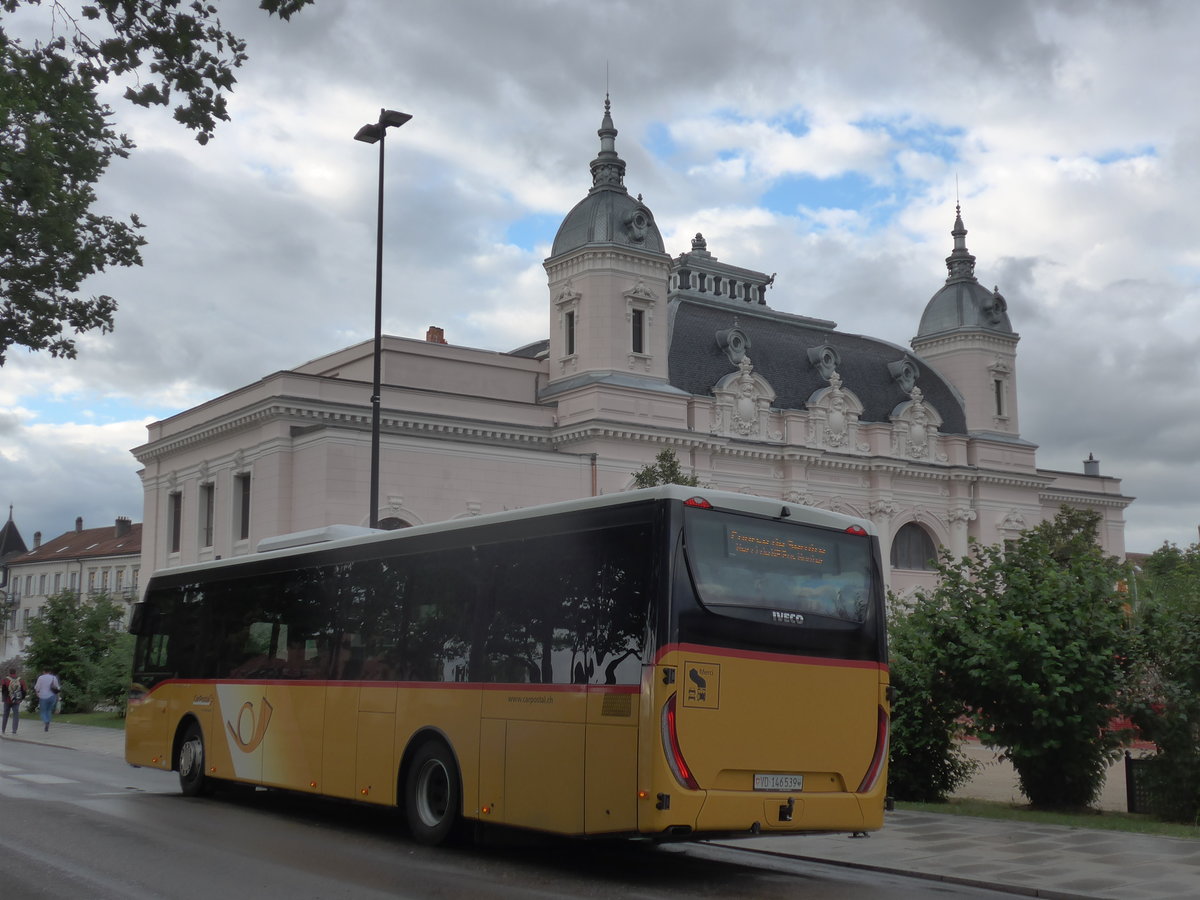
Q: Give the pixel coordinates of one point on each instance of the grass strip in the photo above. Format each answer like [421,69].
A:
[1099,820]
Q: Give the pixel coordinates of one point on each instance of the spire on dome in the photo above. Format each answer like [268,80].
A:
[608,169]
[960,263]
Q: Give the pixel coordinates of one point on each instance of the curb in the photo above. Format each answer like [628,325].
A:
[1016,890]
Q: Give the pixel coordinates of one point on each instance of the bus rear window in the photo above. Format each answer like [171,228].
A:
[740,561]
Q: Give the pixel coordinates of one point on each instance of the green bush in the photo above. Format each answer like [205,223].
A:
[1163,697]
[926,764]
[1031,637]
[79,642]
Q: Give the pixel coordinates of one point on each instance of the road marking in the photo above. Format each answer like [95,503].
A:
[46,779]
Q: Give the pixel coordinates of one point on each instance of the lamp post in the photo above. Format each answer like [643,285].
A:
[371,134]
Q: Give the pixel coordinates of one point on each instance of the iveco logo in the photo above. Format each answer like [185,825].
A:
[787,618]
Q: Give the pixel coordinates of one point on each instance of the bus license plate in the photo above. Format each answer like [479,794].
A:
[779,782]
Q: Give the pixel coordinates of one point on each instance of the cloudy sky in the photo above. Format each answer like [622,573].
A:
[827,142]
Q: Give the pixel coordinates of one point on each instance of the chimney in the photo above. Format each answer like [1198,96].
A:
[123,526]
[37,539]
[78,524]
[435,335]
[1091,466]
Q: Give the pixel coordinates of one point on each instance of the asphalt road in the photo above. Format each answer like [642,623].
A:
[82,825]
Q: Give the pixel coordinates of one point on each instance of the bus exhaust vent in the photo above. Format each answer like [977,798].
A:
[313,536]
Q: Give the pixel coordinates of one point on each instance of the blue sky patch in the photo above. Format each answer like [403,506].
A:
[1113,156]
[925,137]
[531,230]
[878,203]
[93,410]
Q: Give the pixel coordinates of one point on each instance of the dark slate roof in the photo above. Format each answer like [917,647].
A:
[531,351]
[779,351]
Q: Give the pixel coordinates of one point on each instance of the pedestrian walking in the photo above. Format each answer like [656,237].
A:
[12,690]
[47,689]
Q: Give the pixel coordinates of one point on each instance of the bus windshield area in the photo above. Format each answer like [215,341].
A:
[778,566]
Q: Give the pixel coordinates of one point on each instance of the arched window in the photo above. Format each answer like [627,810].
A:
[391,523]
[912,548]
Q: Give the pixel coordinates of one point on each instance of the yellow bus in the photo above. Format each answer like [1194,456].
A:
[669,663]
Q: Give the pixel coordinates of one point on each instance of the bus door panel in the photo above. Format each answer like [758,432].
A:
[543,775]
[339,757]
[292,742]
[611,751]
[374,770]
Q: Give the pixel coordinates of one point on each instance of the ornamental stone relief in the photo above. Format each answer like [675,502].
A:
[742,405]
[833,416]
[915,428]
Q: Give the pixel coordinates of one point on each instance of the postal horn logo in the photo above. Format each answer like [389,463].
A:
[251,726]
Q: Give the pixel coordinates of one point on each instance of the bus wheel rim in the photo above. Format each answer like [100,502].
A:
[190,756]
[433,792]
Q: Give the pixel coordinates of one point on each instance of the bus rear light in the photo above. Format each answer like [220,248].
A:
[857,529]
[880,757]
[698,503]
[670,739]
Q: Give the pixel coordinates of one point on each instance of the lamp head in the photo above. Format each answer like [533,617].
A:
[388,118]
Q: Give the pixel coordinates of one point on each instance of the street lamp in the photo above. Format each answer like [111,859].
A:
[371,134]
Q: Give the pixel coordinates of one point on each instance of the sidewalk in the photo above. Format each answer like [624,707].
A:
[1018,858]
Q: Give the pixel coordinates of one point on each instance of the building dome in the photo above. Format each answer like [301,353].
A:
[963,303]
[608,215]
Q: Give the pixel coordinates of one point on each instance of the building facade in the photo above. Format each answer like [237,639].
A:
[645,351]
[85,561]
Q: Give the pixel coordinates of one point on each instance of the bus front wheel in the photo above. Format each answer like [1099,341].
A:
[432,793]
[192,781]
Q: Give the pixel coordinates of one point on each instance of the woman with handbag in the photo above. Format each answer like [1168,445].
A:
[47,689]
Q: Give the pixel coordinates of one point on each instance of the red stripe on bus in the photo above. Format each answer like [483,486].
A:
[770,657]
[411,685]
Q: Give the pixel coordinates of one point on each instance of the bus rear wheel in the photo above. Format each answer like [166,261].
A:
[192,780]
[432,794]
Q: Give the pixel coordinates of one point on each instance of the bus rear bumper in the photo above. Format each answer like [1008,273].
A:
[783,813]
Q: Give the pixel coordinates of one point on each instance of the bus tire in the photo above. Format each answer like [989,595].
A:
[432,794]
[192,780]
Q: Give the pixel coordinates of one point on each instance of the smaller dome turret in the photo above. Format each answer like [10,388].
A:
[963,303]
[608,215]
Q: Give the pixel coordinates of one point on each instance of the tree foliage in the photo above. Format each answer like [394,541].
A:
[56,141]
[78,640]
[1164,687]
[926,763]
[664,470]
[1031,637]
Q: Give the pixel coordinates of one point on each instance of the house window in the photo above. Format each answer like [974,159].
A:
[73,581]
[912,548]
[998,385]
[639,330]
[241,490]
[207,500]
[174,520]
[569,324]
[42,585]
[57,582]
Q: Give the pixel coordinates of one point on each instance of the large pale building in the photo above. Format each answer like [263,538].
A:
[645,351]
